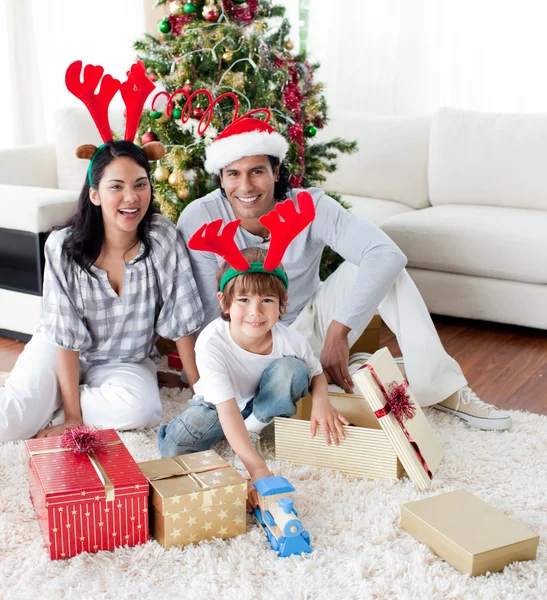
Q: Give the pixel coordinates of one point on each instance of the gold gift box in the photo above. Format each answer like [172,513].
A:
[195,497]
[366,451]
[468,533]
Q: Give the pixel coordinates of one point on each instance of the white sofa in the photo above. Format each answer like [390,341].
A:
[39,187]
[464,195]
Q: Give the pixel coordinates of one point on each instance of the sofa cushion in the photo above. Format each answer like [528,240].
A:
[374,209]
[488,159]
[486,241]
[391,161]
[34,209]
[74,127]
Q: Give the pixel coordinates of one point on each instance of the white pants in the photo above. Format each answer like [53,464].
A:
[115,395]
[431,373]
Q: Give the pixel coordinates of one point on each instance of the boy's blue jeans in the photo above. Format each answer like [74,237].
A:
[198,428]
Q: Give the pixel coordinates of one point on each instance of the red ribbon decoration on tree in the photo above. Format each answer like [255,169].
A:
[398,403]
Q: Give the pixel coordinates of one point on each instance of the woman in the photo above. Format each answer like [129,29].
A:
[117,275]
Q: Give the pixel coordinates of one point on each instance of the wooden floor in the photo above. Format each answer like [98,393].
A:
[505,365]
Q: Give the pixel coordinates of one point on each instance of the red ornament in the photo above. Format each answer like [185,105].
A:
[187,88]
[83,439]
[152,76]
[212,16]
[197,113]
[243,11]
[149,136]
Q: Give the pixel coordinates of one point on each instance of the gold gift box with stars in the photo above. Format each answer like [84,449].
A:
[195,497]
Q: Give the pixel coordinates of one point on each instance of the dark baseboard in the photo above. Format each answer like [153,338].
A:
[15,335]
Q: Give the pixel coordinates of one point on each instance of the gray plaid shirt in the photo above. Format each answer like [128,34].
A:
[159,297]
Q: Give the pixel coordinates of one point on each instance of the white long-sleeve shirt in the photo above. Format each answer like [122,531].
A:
[356,240]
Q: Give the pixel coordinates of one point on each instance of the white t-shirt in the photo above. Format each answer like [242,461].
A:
[228,371]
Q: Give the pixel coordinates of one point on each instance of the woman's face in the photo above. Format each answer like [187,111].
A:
[124,195]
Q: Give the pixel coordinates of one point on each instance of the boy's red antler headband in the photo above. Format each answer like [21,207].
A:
[283,222]
[134,92]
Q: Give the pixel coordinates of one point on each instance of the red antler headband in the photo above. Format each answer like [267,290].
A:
[283,222]
[134,92]
[245,136]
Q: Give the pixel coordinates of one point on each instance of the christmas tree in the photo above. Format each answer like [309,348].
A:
[240,47]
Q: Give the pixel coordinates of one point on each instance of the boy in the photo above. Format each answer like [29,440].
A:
[252,368]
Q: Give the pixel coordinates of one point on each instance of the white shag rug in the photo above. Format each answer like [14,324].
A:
[360,551]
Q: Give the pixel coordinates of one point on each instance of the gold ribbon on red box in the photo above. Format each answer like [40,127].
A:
[94,460]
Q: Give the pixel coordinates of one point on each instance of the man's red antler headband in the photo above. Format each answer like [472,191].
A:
[134,92]
[245,136]
[283,222]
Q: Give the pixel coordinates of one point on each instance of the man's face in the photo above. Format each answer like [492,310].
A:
[249,186]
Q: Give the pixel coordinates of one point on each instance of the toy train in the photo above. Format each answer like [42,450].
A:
[276,515]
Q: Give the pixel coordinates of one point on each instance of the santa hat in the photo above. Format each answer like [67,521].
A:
[245,137]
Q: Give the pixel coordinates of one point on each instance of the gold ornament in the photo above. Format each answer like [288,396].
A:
[227,56]
[161,174]
[183,192]
[176,179]
[289,45]
[176,8]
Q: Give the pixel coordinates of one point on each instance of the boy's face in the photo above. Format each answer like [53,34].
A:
[252,316]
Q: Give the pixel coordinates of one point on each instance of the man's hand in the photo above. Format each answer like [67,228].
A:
[57,429]
[324,414]
[335,356]
[252,495]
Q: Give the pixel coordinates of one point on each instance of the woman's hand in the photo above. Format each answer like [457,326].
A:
[252,495]
[323,413]
[57,429]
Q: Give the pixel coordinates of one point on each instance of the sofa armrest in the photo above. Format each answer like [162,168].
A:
[34,209]
[34,166]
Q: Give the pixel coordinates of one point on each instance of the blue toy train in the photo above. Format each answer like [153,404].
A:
[276,515]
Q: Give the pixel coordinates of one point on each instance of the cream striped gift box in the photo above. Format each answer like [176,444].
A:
[366,451]
[377,445]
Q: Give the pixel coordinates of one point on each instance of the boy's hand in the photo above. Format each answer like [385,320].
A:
[324,414]
[252,495]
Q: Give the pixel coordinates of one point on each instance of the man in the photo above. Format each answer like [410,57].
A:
[248,159]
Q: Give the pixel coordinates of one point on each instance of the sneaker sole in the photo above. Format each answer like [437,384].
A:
[478,422]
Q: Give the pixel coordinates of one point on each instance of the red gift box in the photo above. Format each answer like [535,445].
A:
[173,360]
[87,503]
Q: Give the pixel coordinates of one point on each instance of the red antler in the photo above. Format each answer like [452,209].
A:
[134,92]
[97,104]
[207,238]
[284,231]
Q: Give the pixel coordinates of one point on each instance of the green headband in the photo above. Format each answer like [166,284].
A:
[90,166]
[256,267]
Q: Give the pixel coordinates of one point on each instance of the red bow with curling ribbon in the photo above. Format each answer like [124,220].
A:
[398,403]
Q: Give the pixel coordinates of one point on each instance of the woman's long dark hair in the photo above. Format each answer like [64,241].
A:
[84,243]
[282,185]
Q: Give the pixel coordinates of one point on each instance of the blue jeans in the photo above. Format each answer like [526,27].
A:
[198,428]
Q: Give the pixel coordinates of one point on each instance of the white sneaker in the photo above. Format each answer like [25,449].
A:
[255,441]
[466,405]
